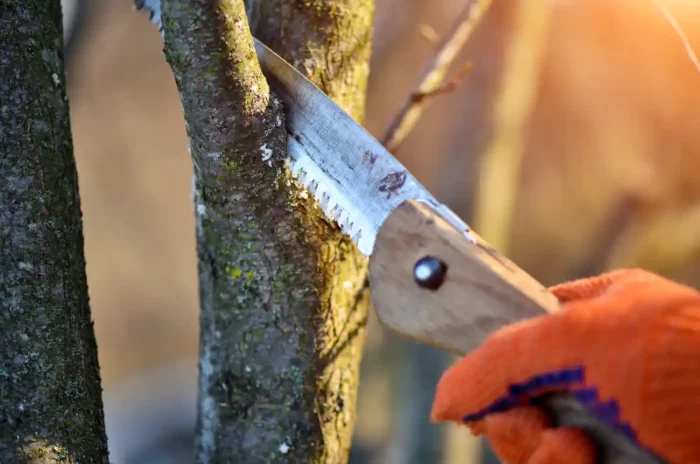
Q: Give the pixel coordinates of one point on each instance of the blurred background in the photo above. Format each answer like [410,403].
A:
[573,146]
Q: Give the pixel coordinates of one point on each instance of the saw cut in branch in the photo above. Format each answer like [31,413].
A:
[283,303]
[435,72]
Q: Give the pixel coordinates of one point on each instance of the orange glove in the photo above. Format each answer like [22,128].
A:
[626,344]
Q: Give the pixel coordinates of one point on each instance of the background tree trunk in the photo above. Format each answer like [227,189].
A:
[50,395]
[282,292]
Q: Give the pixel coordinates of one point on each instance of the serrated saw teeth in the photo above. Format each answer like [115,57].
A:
[313,187]
[332,209]
[294,168]
[341,185]
[343,218]
[325,201]
[153,9]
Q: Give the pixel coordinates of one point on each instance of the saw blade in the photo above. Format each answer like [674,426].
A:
[152,7]
[355,180]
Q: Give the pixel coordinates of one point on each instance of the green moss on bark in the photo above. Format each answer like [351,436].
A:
[330,42]
[50,394]
[283,303]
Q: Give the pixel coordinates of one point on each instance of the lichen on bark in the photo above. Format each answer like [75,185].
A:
[282,294]
[50,394]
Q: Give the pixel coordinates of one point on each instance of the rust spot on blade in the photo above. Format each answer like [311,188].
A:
[392,183]
[370,158]
[296,136]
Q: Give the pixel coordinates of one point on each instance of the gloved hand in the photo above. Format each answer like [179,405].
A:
[626,344]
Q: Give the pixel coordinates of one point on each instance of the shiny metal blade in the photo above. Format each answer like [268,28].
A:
[356,180]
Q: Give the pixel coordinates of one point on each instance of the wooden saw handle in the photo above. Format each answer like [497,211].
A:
[478,293]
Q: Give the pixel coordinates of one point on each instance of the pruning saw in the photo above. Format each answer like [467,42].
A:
[432,279]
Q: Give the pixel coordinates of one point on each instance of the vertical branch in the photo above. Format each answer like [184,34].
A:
[500,165]
[50,394]
[283,301]
[330,42]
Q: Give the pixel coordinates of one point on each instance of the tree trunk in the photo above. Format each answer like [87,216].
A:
[282,291]
[50,394]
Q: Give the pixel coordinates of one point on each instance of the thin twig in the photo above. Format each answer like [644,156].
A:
[435,72]
[447,87]
[681,34]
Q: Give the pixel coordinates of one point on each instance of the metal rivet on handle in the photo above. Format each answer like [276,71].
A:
[429,272]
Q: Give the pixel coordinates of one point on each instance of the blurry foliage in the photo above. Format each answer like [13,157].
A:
[614,136]
[500,164]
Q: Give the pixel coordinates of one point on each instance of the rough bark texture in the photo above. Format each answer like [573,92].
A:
[50,394]
[283,301]
[329,41]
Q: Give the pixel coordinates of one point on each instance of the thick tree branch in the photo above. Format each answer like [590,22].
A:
[329,41]
[50,394]
[282,311]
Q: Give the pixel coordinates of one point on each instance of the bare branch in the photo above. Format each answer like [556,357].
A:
[282,301]
[435,71]
[447,87]
[681,34]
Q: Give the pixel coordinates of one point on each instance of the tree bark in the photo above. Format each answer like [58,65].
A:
[329,41]
[50,394]
[282,291]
